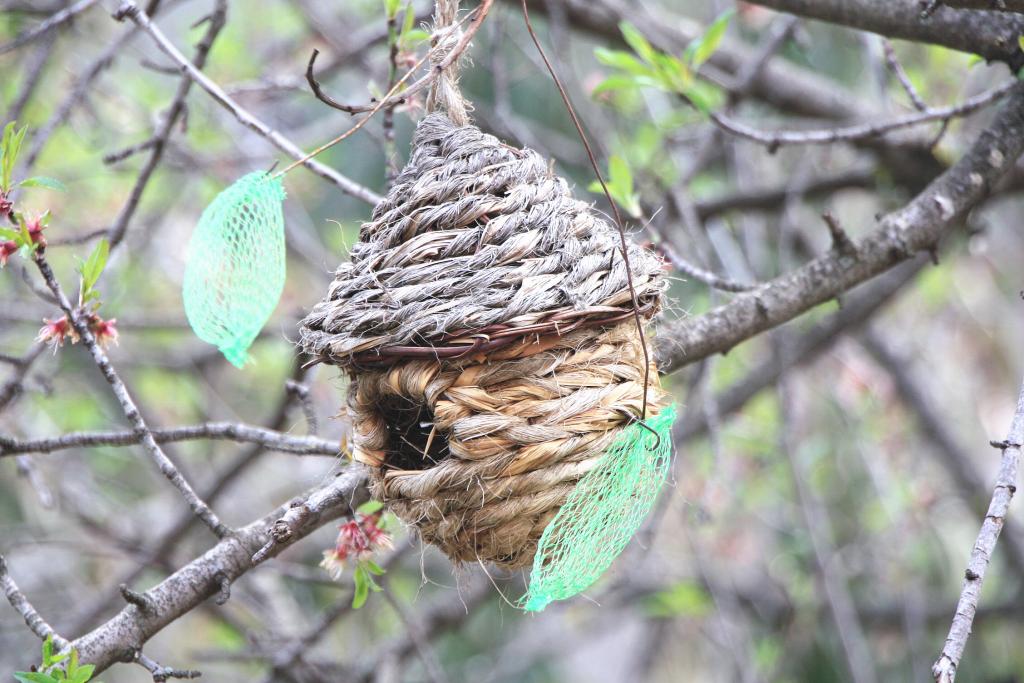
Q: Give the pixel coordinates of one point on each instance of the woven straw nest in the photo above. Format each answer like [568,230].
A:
[487,325]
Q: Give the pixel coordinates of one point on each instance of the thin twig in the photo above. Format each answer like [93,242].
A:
[901,75]
[477,17]
[33,70]
[131,411]
[917,227]
[285,657]
[53,22]
[231,557]
[221,431]
[389,98]
[936,430]
[773,139]
[130,10]
[835,589]
[994,5]
[13,386]
[945,667]
[156,144]
[301,393]
[162,545]
[418,637]
[20,603]
[129,151]
[163,673]
[908,87]
[697,273]
[302,514]
[388,118]
[80,89]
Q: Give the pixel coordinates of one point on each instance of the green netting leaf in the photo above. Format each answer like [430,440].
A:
[235,270]
[602,513]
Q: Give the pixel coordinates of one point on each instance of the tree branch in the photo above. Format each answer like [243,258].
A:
[945,667]
[130,10]
[20,603]
[857,308]
[915,228]
[53,22]
[131,411]
[956,460]
[223,431]
[185,589]
[215,24]
[825,136]
[994,5]
[991,35]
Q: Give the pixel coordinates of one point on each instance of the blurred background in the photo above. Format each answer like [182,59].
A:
[829,476]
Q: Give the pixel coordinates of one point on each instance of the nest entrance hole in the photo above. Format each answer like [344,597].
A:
[414,443]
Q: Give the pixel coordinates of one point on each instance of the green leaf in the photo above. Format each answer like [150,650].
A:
[413,37]
[33,677]
[370,507]
[703,96]
[705,46]
[362,587]
[93,267]
[43,181]
[10,147]
[686,599]
[391,7]
[5,139]
[622,60]
[673,74]
[619,174]
[1020,41]
[620,185]
[974,60]
[373,567]
[47,650]
[613,83]
[26,238]
[409,19]
[9,234]
[83,674]
[636,40]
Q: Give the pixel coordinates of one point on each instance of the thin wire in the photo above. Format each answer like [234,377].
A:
[615,210]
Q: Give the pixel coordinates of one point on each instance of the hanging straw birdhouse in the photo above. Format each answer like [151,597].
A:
[497,372]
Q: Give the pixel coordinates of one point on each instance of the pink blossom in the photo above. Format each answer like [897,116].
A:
[35,228]
[54,332]
[7,249]
[357,540]
[105,331]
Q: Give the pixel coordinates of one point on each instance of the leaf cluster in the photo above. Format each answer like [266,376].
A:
[646,66]
[10,148]
[57,667]
[90,270]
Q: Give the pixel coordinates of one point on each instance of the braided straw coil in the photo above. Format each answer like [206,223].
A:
[486,321]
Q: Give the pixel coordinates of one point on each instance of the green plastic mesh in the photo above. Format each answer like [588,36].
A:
[602,513]
[235,270]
